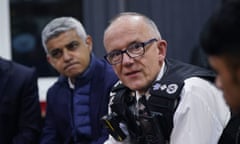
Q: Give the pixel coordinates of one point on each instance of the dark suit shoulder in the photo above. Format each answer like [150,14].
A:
[16,68]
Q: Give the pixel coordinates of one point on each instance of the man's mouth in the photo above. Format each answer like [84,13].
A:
[69,66]
[132,73]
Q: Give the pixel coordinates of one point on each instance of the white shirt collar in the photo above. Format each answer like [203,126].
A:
[71,85]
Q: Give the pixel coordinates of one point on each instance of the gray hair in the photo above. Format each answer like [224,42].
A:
[60,25]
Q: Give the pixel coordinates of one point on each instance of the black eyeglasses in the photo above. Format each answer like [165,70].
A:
[134,50]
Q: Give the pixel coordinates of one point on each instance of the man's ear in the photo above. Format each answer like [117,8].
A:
[89,42]
[49,60]
[162,46]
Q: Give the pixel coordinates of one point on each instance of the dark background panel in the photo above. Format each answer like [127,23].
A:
[179,21]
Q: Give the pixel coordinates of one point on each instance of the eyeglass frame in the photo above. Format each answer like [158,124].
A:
[141,45]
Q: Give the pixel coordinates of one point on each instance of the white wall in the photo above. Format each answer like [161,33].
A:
[5,50]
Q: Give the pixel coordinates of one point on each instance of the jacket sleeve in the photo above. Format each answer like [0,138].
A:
[49,133]
[29,121]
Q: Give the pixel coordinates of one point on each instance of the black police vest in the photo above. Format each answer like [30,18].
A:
[165,95]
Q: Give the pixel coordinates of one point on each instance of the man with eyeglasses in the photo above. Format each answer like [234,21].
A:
[158,100]
[79,98]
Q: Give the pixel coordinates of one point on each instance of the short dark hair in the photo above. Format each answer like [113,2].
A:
[220,35]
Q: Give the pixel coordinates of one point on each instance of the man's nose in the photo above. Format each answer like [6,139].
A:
[66,54]
[126,58]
